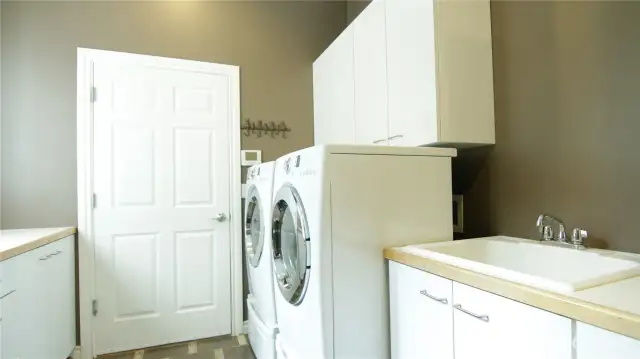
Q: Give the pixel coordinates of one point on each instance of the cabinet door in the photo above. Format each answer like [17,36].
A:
[62,334]
[421,314]
[321,98]
[17,308]
[334,92]
[35,308]
[490,326]
[411,68]
[596,343]
[370,73]
[11,339]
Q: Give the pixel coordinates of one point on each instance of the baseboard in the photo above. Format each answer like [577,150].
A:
[77,354]
[245,327]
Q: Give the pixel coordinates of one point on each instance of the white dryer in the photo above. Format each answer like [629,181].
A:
[262,326]
[335,209]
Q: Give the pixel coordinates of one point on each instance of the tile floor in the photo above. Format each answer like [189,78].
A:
[226,347]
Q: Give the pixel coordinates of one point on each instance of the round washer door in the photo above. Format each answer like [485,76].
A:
[253,228]
[291,245]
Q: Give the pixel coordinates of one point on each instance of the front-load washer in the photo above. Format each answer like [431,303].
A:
[262,326]
[335,209]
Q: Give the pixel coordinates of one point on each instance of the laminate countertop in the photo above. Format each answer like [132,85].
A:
[615,306]
[14,242]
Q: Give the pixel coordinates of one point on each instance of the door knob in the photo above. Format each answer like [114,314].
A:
[221,217]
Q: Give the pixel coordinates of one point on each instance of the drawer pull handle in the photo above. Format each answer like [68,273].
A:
[396,136]
[6,295]
[45,257]
[484,318]
[378,141]
[56,253]
[441,300]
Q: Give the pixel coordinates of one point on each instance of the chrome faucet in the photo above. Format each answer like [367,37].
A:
[546,232]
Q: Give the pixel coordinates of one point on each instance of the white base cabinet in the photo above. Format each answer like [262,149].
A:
[38,317]
[597,343]
[435,318]
[489,326]
[421,314]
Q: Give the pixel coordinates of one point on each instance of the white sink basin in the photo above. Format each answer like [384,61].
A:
[532,263]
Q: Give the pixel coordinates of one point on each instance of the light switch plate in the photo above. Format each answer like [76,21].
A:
[250,157]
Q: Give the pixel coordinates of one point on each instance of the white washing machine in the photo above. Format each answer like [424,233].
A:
[335,209]
[262,324]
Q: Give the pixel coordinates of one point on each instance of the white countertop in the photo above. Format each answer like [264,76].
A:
[14,242]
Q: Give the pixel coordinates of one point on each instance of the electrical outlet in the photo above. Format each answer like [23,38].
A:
[458,213]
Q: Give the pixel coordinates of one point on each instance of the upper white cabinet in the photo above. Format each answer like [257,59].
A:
[333,92]
[422,73]
[596,343]
[440,72]
[370,74]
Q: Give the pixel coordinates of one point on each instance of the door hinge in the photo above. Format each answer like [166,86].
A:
[94,201]
[92,94]
[94,307]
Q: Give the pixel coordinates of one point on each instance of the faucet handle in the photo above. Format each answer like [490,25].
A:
[547,233]
[578,236]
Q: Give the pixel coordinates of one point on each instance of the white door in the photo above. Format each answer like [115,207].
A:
[162,184]
[333,89]
[411,72]
[490,326]
[598,343]
[370,75]
[420,313]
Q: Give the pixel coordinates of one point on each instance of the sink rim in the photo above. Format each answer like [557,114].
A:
[427,250]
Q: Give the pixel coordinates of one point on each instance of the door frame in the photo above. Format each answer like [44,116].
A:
[86,244]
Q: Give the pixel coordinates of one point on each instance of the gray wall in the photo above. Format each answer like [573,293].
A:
[567,79]
[274,43]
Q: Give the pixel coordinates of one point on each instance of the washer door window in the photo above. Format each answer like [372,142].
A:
[253,228]
[291,245]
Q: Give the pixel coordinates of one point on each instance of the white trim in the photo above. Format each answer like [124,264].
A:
[86,58]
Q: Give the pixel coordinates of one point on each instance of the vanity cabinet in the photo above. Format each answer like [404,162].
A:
[421,314]
[436,318]
[38,317]
[417,72]
[597,343]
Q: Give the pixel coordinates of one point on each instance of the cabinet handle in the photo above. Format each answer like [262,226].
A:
[6,295]
[378,141]
[45,257]
[394,137]
[56,253]
[484,318]
[441,300]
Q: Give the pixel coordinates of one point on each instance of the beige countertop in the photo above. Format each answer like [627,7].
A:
[14,242]
[615,306]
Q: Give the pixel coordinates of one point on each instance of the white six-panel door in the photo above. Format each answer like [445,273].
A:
[161,176]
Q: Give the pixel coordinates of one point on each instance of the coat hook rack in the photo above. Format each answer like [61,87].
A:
[260,128]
